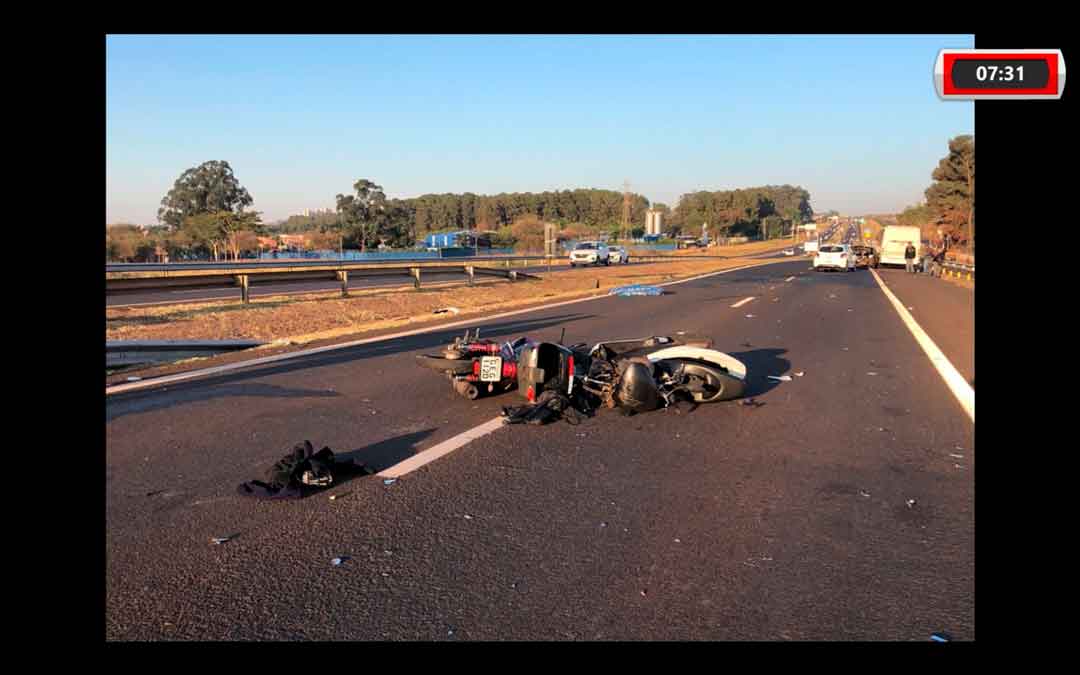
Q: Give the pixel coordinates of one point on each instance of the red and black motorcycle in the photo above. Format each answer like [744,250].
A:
[474,366]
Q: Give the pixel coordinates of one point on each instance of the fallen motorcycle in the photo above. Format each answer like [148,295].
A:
[473,365]
[634,375]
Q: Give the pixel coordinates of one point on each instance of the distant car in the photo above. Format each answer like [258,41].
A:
[865,256]
[835,257]
[590,253]
[789,251]
[618,254]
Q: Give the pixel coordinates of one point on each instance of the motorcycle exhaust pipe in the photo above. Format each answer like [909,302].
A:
[466,389]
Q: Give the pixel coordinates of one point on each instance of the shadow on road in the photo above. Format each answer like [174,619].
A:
[148,404]
[760,363]
[386,453]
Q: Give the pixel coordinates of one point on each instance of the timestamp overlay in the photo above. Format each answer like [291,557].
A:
[990,74]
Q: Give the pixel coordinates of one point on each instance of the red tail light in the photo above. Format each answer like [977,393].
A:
[530,394]
[476,367]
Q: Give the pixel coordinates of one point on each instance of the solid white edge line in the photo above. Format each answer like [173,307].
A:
[446,447]
[956,383]
[742,302]
[180,377]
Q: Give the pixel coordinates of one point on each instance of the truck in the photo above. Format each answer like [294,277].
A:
[894,241]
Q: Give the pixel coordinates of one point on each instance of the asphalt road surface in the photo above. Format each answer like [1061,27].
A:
[840,507]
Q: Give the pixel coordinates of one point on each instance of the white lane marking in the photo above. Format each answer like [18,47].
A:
[446,447]
[742,302]
[789,279]
[190,375]
[956,383]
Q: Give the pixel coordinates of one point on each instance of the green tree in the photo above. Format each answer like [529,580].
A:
[363,212]
[952,195]
[210,187]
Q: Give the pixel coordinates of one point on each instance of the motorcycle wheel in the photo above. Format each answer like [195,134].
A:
[723,387]
[454,366]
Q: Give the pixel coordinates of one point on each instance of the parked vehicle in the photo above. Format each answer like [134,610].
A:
[865,256]
[894,241]
[810,246]
[835,257]
[618,254]
[590,253]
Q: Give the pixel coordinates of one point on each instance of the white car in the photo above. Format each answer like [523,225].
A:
[618,254]
[835,257]
[590,253]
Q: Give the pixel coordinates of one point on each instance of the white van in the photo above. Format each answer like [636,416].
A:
[894,241]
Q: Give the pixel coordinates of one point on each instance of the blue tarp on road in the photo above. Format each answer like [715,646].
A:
[635,289]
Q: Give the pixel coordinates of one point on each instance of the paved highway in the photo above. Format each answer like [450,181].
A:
[839,507]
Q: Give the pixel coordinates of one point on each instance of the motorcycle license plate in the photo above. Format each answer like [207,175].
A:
[490,368]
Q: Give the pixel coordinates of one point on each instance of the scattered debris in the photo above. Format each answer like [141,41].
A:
[134,378]
[831,296]
[746,344]
[940,637]
[643,593]
[910,503]
[957,466]
[468,517]
[449,632]
[843,349]
[850,309]
[955,456]
[911,308]
[751,403]
[338,562]
[782,378]
[634,289]
[749,316]
[603,524]
[870,372]
[446,310]
[220,540]
[389,481]
[800,373]
[678,541]
[680,332]
[333,497]
[864,493]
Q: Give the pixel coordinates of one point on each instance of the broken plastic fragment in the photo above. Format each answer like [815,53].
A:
[782,378]
[389,481]
[749,316]
[940,637]
[134,378]
[955,456]
[468,517]
[871,373]
[446,310]
[800,373]
[910,503]
[338,562]
[220,540]
[864,493]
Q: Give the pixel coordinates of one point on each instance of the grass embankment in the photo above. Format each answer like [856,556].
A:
[302,319]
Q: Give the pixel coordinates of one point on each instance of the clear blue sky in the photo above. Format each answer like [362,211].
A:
[854,120]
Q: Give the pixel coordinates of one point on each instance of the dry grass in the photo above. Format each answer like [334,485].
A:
[309,318]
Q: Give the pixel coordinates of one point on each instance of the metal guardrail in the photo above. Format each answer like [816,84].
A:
[134,277]
[956,270]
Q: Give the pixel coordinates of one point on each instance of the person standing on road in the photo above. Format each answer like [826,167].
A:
[909,258]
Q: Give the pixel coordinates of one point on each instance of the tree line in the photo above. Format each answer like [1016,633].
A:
[758,211]
[204,215]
